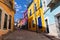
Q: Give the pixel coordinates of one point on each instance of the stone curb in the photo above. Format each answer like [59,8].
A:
[51,37]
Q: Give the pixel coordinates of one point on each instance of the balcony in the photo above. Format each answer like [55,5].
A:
[53,3]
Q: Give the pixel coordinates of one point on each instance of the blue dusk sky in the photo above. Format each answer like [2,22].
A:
[20,7]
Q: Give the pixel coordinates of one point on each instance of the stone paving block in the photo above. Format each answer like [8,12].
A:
[25,35]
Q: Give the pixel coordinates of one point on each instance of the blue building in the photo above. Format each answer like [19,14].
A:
[52,18]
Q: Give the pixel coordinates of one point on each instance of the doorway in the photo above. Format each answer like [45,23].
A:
[58,22]
[5,21]
[47,28]
[10,22]
[57,18]
[39,22]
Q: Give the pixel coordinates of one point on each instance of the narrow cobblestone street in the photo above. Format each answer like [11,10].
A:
[25,35]
[19,18]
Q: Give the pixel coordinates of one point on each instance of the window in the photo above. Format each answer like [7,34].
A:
[11,4]
[5,21]
[29,24]
[30,12]
[0,17]
[35,8]
[40,3]
[44,4]
[10,22]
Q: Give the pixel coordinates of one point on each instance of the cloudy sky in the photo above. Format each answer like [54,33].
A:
[20,6]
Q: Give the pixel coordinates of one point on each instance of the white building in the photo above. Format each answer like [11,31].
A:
[52,17]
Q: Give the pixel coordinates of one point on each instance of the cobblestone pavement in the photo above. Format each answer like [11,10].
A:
[25,35]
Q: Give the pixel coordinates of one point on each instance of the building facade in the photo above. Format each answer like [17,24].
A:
[20,23]
[35,16]
[26,19]
[6,16]
[52,18]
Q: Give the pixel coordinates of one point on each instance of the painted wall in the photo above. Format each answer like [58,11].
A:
[50,16]
[33,17]
[8,11]
[26,16]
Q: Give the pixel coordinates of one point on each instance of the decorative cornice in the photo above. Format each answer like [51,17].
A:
[8,6]
[53,2]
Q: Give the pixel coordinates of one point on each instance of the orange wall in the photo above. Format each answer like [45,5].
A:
[10,12]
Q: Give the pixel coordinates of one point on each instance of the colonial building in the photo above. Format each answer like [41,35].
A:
[52,18]
[35,16]
[6,16]
[26,19]
[20,23]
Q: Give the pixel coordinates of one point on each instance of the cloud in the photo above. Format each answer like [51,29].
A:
[30,1]
[22,11]
[15,3]
[17,7]
[25,5]
[16,20]
[26,0]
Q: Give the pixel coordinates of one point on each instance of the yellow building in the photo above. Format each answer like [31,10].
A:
[36,16]
[6,16]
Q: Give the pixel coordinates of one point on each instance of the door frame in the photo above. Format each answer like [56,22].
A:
[57,24]
[5,21]
[38,22]
[48,24]
[10,19]
[0,18]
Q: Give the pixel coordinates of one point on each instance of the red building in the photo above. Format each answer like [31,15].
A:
[24,21]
